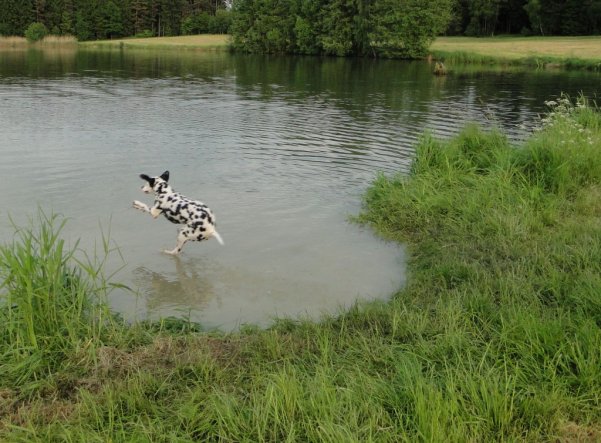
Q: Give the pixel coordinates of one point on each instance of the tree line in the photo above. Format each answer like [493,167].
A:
[104,19]
[398,28]
[526,17]
[387,28]
[341,27]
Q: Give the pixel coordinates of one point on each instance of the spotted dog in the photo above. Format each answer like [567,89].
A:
[198,219]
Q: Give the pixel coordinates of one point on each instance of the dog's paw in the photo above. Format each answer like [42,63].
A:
[140,206]
[173,252]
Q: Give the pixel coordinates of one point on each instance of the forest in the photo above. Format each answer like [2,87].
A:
[101,19]
[303,26]
[106,19]
[526,17]
[398,28]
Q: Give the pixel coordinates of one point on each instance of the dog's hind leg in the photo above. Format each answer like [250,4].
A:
[182,237]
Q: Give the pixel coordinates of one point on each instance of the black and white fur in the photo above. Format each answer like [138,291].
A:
[198,219]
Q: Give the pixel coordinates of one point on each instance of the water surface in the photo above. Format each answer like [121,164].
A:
[281,148]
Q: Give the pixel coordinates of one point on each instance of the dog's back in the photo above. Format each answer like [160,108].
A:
[182,210]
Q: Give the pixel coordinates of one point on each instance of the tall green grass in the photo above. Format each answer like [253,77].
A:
[505,248]
[52,304]
[496,337]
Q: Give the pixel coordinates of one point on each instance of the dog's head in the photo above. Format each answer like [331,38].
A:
[154,183]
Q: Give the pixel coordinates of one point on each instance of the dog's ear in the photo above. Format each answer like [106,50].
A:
[165,176]
[150,180]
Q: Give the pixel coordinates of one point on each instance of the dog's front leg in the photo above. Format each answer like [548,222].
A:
[141,206]
[155,211]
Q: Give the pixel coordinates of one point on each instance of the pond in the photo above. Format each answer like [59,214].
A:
[281,149]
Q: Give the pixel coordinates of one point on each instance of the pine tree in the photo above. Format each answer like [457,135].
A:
[15,16]
[140,12]
[110,20]
[67,22]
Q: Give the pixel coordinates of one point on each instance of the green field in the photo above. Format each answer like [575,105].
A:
[199,42]
[575,52]
[521,47]
[495,338]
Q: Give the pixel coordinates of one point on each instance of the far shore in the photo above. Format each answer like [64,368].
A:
[549,52]
[201,42]
[521,47]
[570,52]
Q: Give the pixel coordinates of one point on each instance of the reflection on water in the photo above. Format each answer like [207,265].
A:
[281,148]
[320,269]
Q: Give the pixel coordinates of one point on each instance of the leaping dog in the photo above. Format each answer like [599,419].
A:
[198,219]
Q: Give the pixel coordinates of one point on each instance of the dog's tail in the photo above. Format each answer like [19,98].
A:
[218,237]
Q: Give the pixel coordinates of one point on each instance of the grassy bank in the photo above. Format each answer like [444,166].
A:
[49,40]
[569,52]
[539,52]
[496,337]
[198,42]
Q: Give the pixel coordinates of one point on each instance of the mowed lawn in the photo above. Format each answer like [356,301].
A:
[523,47]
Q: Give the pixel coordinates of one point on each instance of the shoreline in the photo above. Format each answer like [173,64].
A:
[582,53]
[496,333]
[215,42]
